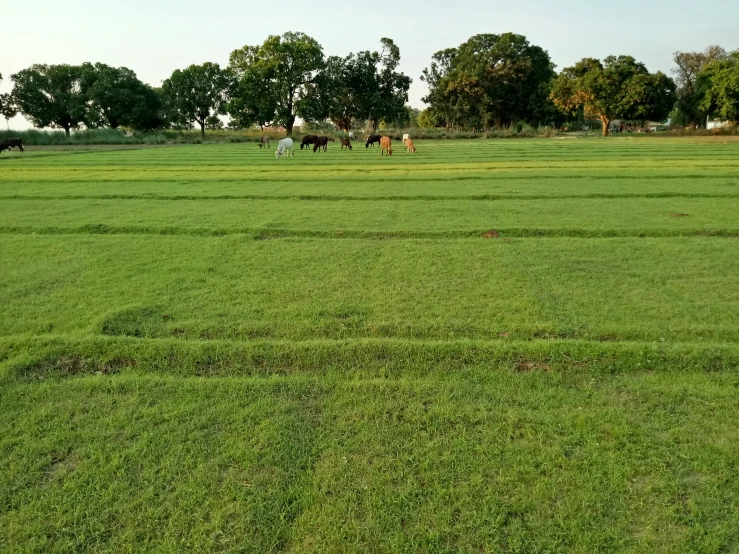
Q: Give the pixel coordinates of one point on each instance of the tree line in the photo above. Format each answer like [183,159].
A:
[489,81]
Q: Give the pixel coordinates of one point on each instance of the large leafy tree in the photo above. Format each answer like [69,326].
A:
[196,94]
[117,97]
[719,86]
[688,68]
[363,86]
[618,88]
[251,102]
[284,67]
[51,96]
[490,80]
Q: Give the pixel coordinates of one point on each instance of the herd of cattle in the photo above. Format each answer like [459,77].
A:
[285,146]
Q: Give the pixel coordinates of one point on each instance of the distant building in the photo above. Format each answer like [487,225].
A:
[715,124]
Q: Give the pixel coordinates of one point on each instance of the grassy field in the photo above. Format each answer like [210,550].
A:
[489,346]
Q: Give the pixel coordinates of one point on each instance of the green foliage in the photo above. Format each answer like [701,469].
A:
[196,94]
[688,70]
[490,80]
[719,85]
[52,96]
[275,77]
[8,107]
[618,88]
[118,98]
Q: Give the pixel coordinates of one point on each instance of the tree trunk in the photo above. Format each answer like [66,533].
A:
[66,130]
[202,127]
[290,124]
[606,122]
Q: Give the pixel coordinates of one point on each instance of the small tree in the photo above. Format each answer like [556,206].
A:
[51,96]
[618,88]
[196,94]
[8,107]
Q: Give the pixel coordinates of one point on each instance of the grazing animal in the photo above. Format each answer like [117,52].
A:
[409,146]
[372,139]
[386,144]
[406,137]
[7,144]
[264,141]
[308,140]
[322,142]
[347,143]
[285,146]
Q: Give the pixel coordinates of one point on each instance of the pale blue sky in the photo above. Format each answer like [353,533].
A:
[157,36]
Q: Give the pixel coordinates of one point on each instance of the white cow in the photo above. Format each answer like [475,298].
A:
[406,137]
[285,147]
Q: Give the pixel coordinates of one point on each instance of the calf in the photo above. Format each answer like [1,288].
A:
[322,142]
[386,144]
[409,146]
[372,139]
[285,146]
[7,144]
[308,140]
[346,142]
[264,141]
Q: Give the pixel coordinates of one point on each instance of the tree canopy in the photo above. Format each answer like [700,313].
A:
[116,97]
[197,94]
[490,80]
[689,67]
[280,71]
[51,96]
[719,85]
[363,86]
[8,107]
[618,88]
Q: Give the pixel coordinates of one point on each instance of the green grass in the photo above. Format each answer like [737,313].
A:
[204,349]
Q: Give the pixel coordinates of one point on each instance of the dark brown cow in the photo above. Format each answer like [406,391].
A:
[308,140]
[346,142]
[264,141]
[322,142]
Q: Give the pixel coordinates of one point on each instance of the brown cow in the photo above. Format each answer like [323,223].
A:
[321,142]
[386,144]
[264,141]
[409,146]
[346,142]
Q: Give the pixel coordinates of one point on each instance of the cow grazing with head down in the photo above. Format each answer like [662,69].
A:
[7,144]
[264,141]
[285,147]
[346,142]
[308,140]
[322,142]
[409,146]
[372,139]
[386,144]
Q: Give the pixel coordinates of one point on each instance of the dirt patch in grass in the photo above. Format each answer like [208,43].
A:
[492,234]
[524,366]
[678,215]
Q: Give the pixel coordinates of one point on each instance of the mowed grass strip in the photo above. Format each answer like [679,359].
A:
[238,288]
[614,216]
[488,462]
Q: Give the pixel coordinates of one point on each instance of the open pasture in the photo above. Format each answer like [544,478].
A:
[488,346]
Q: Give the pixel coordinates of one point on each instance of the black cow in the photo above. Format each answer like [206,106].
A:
[308,140]
[372,139]
[7,144]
